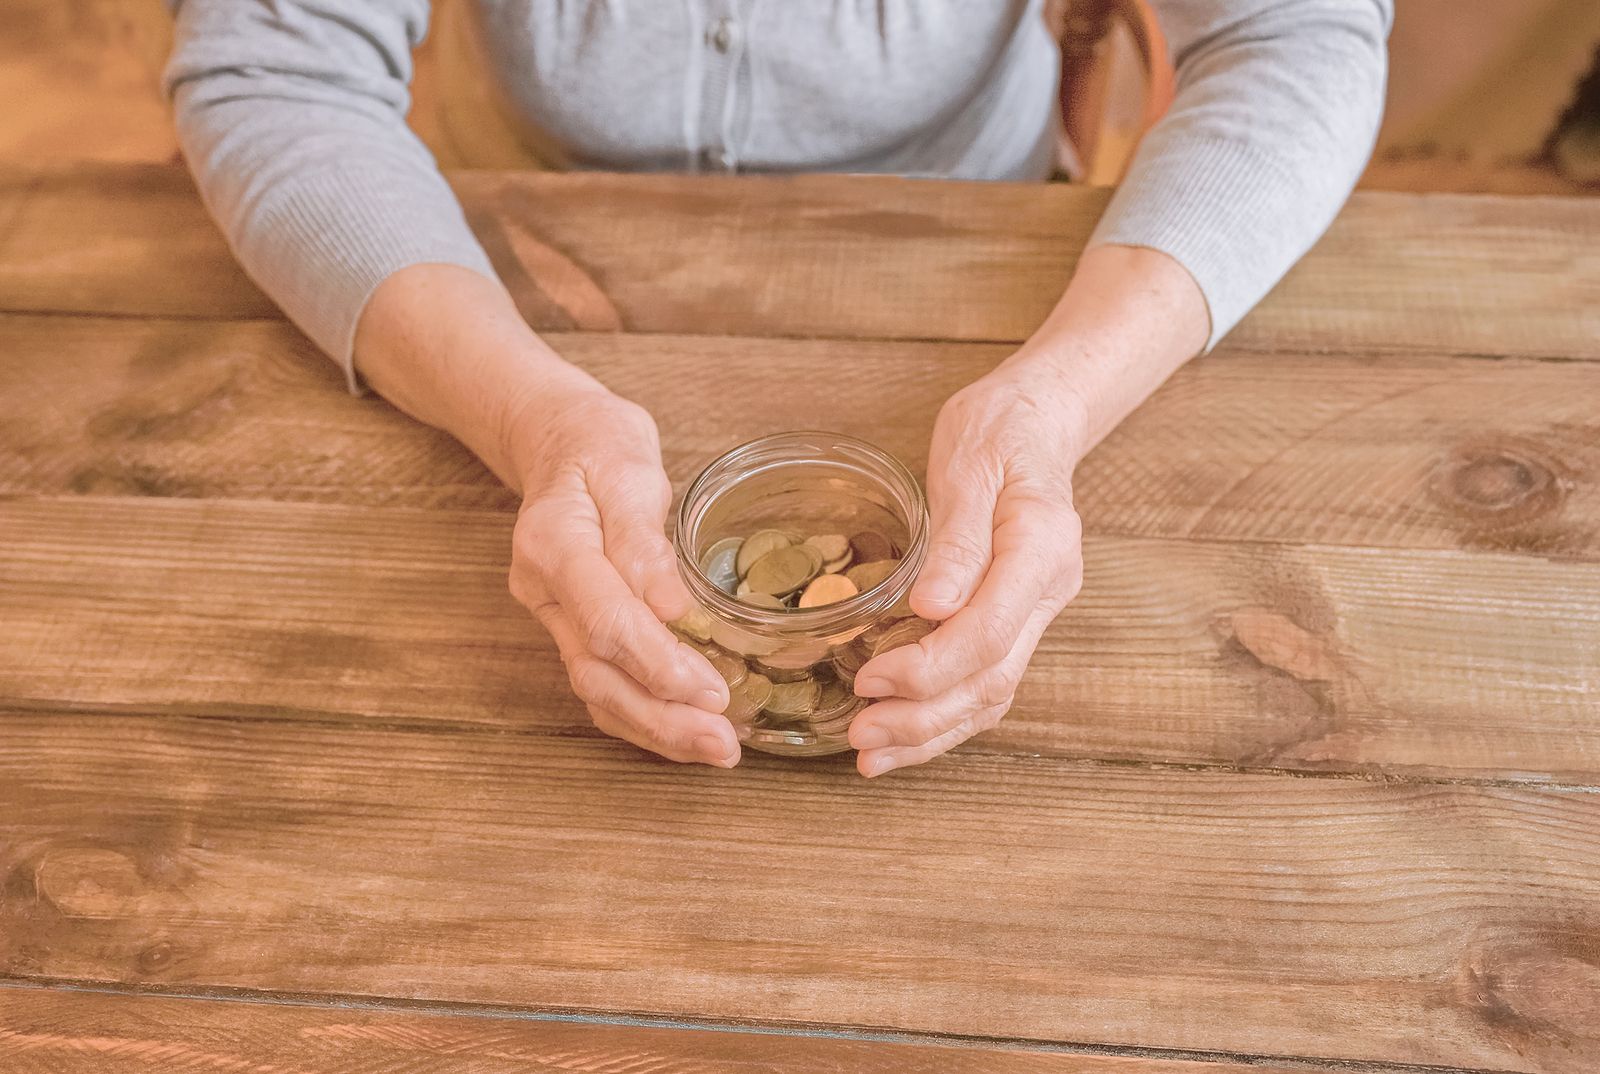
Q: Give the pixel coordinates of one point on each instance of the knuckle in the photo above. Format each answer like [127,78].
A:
[917,677]
[994,689]
[590,678]
[606,629]
[962,551]
[992,637]
[989,717]
[923,726]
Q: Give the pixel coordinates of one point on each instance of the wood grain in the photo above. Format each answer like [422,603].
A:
[54,1031]
[1001,896]
[842,257]
[1402,451]
[1306,657]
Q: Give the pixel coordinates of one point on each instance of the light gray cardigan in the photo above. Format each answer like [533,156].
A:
[292,115]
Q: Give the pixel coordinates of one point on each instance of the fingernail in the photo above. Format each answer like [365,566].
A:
[710,701]
[713,749]
[879,766]
[873,687]
[869,738]
[941,591]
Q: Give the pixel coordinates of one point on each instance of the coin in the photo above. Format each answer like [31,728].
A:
[758,544]
[905,632]
[783,674]
[730,667]
[812,553]
[696,625]
[835,549]
[792,700]
[827,589]
[763,600]
[782,571]
[847,660]
[869,574]
[834,699]
[718,563]
[870,546]
[748,698]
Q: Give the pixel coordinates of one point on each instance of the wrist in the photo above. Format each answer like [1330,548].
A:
[552,386]
[1052,380]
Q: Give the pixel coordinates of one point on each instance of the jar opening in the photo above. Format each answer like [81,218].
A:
[817,481]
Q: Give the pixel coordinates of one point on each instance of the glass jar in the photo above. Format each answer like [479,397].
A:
[790,671]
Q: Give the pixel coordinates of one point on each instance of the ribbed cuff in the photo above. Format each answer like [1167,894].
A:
[323,245]
[1218,208]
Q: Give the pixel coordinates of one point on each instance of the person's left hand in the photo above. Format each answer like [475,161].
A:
[1004,559]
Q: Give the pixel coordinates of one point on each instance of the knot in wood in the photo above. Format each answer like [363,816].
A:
[90,882]
[1497,484]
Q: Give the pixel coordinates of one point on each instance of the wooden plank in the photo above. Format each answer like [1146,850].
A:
[842,257]
[1307,657]
[1006,897]
[1400,451]
[77,1032]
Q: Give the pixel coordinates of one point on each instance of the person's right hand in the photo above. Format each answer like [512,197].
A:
[591,561]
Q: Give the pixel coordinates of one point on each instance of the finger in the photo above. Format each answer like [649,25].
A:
[1034,564]
[904,722]
[614,625]
[702,750]
[633,509]
[872,763]
[621,708]
[961,506]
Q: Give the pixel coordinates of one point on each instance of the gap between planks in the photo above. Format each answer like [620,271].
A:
[973,750]
[802,1031]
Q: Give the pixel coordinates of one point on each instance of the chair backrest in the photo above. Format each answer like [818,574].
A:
[1098,150]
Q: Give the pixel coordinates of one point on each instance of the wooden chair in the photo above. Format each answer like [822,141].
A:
[1102,129]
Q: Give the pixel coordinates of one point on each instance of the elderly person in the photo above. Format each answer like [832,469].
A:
[292,115]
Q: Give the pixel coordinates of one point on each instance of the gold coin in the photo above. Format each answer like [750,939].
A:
[782,571]
[847,660]
[870,574]
[871,546]
[696,625]
[764,600]
[827,589]
[742,589]
[835,699]
[730,667]
[759,544]
[748,698]
[778,672]
[792,700]
[833,546]
[811,553]
[905,632]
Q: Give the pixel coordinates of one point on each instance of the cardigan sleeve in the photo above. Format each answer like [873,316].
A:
[1275,114]
[291,114]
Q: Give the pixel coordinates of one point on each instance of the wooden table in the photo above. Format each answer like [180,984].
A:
[1306,778]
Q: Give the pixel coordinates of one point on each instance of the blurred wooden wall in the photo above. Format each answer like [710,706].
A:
[1475,89]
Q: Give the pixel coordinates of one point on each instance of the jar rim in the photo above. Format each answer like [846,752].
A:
[868,603]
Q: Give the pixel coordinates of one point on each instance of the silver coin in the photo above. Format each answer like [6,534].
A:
[720,564]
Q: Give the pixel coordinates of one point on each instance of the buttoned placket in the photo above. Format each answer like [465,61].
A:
[722,48]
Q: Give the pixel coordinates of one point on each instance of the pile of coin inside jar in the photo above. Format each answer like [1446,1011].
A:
[802,700]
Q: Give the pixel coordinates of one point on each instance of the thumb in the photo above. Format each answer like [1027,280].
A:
[633,510]
[962,512]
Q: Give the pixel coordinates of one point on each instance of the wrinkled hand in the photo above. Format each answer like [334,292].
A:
[591,561]
[1004,559]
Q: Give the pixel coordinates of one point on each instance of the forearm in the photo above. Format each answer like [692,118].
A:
[447,346]
[1127,320]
